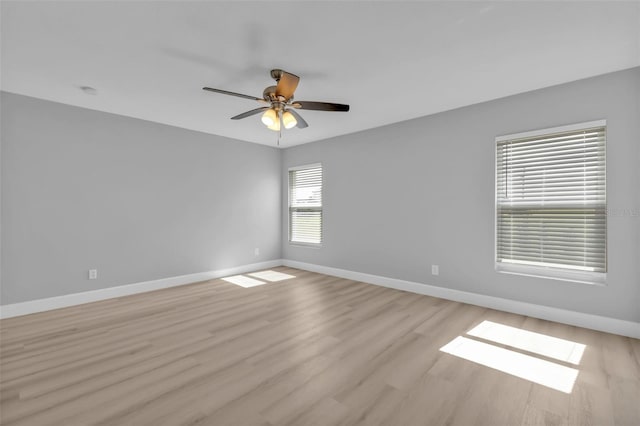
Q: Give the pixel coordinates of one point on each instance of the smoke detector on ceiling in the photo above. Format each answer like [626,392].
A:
[89,90]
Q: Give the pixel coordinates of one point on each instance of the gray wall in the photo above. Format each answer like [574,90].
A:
[402,197]
[139,201]
[136,200]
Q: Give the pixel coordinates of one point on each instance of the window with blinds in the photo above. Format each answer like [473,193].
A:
[551,200]
[305,204]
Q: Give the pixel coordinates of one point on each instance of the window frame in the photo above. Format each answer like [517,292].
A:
[552,273]
[321,208]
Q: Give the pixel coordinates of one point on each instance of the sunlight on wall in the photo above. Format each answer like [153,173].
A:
[272,276]
[526,367]
[552,347]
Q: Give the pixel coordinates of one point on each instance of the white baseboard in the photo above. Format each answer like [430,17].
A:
[40,305]
[594,322]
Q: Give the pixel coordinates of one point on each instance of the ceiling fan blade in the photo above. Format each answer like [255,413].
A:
[287,84]
[301,123]
[249,113]
[320,106]
[226,92]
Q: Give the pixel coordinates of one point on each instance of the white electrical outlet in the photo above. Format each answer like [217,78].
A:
[93,274]
[435,270]
[256,251]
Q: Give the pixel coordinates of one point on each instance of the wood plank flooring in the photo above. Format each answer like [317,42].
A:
[310,350]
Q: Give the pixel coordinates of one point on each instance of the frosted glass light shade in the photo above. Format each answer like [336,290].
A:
[269,118]
[288,120]
[275,126]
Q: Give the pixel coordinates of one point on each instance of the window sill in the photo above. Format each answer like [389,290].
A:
[592,278]
[308,245]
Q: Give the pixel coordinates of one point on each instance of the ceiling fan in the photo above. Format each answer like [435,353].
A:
[280,110]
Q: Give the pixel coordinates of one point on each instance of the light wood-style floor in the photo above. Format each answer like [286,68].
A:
[312,350]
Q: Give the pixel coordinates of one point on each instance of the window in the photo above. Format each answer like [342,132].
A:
[551,203]
[305,204]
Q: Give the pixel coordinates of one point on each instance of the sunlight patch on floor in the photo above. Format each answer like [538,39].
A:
[243,281]
[255,279]
[548,346]
[526,367]
[272,276]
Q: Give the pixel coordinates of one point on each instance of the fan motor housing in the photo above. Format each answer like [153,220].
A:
[269,93]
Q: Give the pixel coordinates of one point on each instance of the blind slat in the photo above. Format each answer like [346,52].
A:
[305,205]
[551,200]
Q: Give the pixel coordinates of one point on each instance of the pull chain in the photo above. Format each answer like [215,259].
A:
[280,127]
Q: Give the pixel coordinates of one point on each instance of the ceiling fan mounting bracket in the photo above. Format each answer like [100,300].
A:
[276,74]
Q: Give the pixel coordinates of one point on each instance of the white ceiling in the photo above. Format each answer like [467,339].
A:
[391,61]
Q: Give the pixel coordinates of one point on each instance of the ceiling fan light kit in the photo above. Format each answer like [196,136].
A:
[275,126]
[279,98]
[269,117]
[289,120]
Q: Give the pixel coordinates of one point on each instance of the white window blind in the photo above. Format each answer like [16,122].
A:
[551,200]
[305,204]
